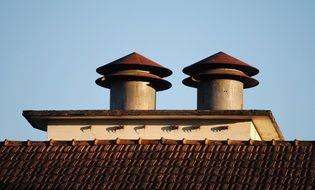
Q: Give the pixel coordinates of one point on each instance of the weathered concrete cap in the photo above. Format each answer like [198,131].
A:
[220,60]
[134,61]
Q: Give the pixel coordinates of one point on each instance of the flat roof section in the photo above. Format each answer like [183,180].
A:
[263,120]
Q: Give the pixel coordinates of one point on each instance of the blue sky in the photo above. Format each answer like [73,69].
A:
[49,51]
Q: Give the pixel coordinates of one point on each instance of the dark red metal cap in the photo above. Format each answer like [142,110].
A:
[220,60]
[134,61]
[247,81]
[155,81]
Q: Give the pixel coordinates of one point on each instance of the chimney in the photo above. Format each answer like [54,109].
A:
[220,80]
[133,81]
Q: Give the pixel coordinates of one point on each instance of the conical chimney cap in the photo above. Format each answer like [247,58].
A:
[134,61]
[220,60]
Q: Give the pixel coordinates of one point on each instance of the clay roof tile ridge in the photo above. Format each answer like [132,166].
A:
[162,140]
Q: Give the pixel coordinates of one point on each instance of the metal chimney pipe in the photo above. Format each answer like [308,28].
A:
[132,95]
[133,81]
[220,94]
[220,80]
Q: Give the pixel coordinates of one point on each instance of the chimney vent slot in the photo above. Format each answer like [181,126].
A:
[170,128]
[114,129]
[191,128]
[219,129]
[86,128]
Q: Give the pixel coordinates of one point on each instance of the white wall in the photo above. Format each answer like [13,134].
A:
[212,130]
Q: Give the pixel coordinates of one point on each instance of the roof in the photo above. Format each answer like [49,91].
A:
[263,120]
[134,61]
[157,164]
[220,60]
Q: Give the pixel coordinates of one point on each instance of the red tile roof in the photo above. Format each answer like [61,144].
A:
[157,164]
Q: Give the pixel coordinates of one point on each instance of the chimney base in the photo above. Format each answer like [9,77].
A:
[220,94]
[132,95]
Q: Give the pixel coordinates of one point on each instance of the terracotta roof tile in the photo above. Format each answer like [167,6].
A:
[164,164]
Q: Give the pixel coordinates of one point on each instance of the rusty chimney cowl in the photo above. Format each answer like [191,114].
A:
[133,81]
[220,80]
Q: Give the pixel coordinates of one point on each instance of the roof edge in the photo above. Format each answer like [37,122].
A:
[155,141]
[263,120]
[28,113]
